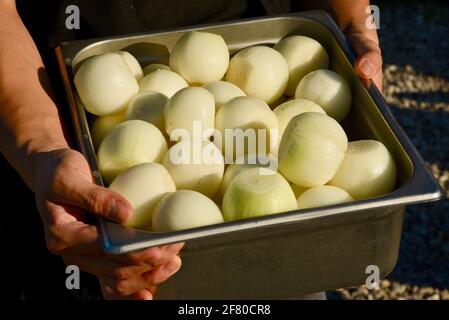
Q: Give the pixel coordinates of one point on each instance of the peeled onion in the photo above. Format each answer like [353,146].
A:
[128,144]
[196,165]
[260,72]
[223,92]
[164,81]
[368,170]
[254,193]
[286,111]
[143,186]
[200,57]
[132,63]
[187,106]
[244,163]
[185,209]
[311,150]
[105,84]
[153,67]
[148,106]
[303,55]
[103,125]
[328,89]
[245,113]
[322,196]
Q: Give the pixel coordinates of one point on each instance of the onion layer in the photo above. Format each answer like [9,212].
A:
[368,170]
[143,186]
[322,196]
[185,209]
[130,143]
[257,192]
[311,149]
[329,90]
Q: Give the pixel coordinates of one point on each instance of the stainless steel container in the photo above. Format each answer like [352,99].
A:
[287,254]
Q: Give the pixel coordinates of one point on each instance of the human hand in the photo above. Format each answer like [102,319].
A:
[65,194]
[365,43]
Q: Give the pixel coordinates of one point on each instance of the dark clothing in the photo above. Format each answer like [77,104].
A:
[31,271]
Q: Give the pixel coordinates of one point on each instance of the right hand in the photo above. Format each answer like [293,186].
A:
[65,193]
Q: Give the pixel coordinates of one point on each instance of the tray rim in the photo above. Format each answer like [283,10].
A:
[420,187]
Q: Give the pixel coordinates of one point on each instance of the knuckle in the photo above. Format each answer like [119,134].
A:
[121,273]
[96,200]
[121,287]
[56,246]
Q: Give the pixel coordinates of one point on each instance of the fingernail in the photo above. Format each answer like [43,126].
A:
[171,267]
[367,68]
[119,211]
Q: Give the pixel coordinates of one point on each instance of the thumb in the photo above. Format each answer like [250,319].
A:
[368,64]
[101,201]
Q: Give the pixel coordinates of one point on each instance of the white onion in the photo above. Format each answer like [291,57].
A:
[164,81]
[246,162]
[254,193]
[322,196]
[148,106]
[245,113]
[303,55]
[286,111]
[128,144]
[368,170]
[311,149]
[200,57]
[143,186]
[260,72]
[105,84]
[153,67]
[185,209]
[189,105]
[329,90]
[103,125]
[223,92]
[132,63]
[196,165]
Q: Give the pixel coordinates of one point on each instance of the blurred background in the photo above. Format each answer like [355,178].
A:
[414,38]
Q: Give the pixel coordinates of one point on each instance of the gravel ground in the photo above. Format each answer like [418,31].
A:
[414,41]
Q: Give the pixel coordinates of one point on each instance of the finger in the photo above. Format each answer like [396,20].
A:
[368,63]
[65,235]
[100,201]
[104,267]
[143,294]
[110,294]
[174,248]
[162,273]
[155,256]
[71,186]
[125,288]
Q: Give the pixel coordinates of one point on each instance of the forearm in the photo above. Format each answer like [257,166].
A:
[29,119]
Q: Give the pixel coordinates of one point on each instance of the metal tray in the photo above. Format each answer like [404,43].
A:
[288,254]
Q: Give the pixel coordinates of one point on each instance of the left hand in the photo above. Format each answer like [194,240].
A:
[365,43]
